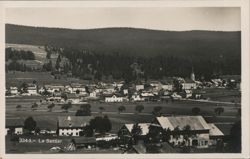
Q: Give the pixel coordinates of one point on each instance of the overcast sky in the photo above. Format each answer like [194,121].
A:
[220,19]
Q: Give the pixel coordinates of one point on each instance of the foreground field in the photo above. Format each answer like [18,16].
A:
[47,119]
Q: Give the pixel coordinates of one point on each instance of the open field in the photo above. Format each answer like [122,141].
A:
[15,78]
[225,95]
[39,51]
[47,119]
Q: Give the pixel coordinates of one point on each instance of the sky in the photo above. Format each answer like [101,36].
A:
[158,18]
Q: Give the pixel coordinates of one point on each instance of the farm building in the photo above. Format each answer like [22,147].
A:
[190,130]
[113,98]
[72,125]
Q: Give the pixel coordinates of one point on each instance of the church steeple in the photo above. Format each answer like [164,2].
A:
[192,76]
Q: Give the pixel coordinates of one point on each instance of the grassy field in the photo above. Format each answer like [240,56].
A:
[48,119]
[39,51]
[224,95]
[15,78]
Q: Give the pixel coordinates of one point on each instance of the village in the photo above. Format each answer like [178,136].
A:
[78,130]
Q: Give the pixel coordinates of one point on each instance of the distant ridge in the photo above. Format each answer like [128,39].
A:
[132,41]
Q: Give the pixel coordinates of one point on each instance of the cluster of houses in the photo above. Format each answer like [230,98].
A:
[191,131]
[170,88]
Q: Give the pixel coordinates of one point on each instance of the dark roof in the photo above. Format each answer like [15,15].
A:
[14,122]
[73,121]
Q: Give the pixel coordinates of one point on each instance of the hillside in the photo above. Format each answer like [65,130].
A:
[130,41]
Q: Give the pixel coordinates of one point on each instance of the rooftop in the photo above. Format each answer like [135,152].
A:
[195,122]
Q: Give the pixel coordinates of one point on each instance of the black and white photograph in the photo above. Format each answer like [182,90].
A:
[123,80]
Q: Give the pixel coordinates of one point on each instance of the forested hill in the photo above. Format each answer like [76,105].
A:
[129,41]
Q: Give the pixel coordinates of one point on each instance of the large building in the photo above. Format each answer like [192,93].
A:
[72,125]
[190,130]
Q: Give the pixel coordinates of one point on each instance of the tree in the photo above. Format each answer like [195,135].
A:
[219,110]
[77,91]
[157,111]
[66,106]
[235,137]
[139,108]
[196,110]
[29,124]
[101,109]
[136,132]
[121,109]
[101,124]
[51,106]
[18,107]
[187,133]
[85,110]
[88,131]
[154,134]
[34,106]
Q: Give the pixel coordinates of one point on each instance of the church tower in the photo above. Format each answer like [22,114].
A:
[192,76]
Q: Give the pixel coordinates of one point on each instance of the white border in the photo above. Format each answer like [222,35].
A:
[243,4]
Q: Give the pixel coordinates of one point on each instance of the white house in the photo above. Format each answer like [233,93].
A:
[136,97]
[13,90]
[168,87]
[189,84]
[72,125]
[113,98]
[32,89]
[139,87]
[54,88]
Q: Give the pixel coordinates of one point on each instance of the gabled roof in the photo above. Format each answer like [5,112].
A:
[73,121]
[214,130]
[195,122]
[144,127]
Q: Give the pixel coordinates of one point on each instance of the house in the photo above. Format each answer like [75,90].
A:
[106,137]
[139,87]
[137,98]
[113,98]
[72,125]
[32,89]
[73,98]
[13,90]
[126,129]
[54,88]
[14,126]
[189,84]
[189,130]
[168,87]
[78,88]
[68,89]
